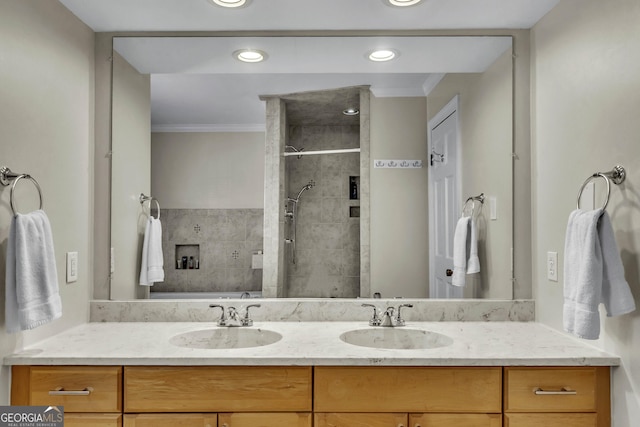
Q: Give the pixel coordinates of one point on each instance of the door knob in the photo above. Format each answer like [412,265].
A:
[449,272]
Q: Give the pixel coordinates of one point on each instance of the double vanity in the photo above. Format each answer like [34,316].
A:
[316,373]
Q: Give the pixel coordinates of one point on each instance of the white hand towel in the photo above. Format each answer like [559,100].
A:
[152,265]
[593,273]
[32,297]
[460,251]
[473,263]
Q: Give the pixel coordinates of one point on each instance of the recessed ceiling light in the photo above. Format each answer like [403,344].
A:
[402,3]
[351,112]
[250,55]
[229,3]
[382,55]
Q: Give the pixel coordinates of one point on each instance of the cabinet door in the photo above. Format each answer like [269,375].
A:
[550,420]
[204,389]
[170,420]
[265,420]
[407,389]
[88,389]
[543,389]
[455,420]
[92,420]
[360,420]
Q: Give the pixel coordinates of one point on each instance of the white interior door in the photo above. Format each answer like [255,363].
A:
[443,199]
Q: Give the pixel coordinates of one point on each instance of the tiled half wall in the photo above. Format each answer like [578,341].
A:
[221,240]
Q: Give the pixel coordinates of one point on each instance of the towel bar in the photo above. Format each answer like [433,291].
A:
[144,198]
[618,174]
[7,177]
[473,199]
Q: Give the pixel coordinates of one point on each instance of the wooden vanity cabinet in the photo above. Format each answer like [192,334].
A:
[557,397]
[170,420]
[408,396]
[91,395]
[304,396]
[223,396]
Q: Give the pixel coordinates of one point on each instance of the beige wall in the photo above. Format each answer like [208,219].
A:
[399,199]
[211,170]
[585,105]
[485,115]
[131,157]
[46,129]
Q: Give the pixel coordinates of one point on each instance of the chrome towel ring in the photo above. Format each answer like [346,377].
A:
[144,198]
[479,198]
[618,174]
[7,177]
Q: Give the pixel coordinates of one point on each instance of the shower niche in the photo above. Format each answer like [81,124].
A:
[187,257]
[322,161]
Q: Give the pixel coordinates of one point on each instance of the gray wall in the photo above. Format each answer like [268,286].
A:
[586,81]
[485,114]
[399,199]
[47,130]
[131,153]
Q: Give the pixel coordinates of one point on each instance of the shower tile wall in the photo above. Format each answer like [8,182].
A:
[328,240]
[227,239]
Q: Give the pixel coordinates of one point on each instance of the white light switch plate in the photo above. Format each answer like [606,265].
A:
[72,267]
[493,208]
[552,266]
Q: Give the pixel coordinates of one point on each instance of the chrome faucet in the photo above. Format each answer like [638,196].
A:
[231,317]
[387,319]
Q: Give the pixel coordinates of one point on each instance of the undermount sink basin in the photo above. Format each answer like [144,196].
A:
[226,338]
[396,338]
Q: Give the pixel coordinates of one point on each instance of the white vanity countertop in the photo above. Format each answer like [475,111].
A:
[314,343]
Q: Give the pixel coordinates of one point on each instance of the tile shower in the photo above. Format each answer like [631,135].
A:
[222,241]
[327,260]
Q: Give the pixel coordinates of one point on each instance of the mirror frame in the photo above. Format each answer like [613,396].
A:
[521,205]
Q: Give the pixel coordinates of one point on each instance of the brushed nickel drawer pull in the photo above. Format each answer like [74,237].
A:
[59,391]
[564,391]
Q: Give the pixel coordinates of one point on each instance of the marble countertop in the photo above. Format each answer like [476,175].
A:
[314,343]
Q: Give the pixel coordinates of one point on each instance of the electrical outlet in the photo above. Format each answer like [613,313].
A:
[72,267]
[552,266]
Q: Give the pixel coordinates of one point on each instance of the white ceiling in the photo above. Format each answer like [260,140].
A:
[200,15]
[197,85]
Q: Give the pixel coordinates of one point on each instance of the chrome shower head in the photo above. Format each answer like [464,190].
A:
[309,186]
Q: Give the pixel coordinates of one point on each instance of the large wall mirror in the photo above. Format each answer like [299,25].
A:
[190,128]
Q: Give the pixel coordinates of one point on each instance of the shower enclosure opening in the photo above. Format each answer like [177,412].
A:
[316,195]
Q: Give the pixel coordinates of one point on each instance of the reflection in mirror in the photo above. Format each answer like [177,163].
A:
[242,218]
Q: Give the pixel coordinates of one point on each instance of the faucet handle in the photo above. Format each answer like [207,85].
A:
[399,319]
[375,319]
[246,321]
[223,318]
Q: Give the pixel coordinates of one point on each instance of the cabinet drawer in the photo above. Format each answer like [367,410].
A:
[457,420]
[360,420]
[92,420]
[170,420]
[551,420]
[77,388]
[410,389]
[265,420]
[217,389]
[579,389]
